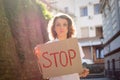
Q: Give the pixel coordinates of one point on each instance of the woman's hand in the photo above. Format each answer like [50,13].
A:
[85,72]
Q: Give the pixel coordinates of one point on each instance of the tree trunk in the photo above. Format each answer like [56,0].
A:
[22,27]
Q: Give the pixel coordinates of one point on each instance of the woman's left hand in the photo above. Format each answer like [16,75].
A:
[85,72]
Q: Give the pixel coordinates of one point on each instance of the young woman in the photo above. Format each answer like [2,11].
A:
[61,28]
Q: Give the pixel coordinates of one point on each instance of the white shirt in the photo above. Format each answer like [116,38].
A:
[74,76]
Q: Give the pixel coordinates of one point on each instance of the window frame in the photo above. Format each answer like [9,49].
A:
[96,8]
[84,11]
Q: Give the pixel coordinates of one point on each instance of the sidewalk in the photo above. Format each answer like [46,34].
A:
[100,75]
[97,79]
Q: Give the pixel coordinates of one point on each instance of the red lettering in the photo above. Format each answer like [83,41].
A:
[54,55]
[68,58]
[50,62]
[63,52]
[70,55]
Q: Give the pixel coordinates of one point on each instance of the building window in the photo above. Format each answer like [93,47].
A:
[102,54]
[119,62]
[96,8]
[99,53]
[108,65]
[83,11]
[99,32]
[66,9]
[84,32]
[113,64]
[119,3]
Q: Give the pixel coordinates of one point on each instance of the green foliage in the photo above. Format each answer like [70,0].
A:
[45,12]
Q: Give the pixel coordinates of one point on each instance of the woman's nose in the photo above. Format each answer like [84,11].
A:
[62,26]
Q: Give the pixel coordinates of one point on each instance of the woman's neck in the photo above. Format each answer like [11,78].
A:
[62,37]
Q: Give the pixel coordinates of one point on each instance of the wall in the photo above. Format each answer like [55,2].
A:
[111,32]
[22,27]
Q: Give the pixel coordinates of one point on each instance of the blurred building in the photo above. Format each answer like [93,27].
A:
[110,10]
[89,29]
[88,22]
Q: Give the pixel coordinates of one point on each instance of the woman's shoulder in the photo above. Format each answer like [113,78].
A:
[51,41]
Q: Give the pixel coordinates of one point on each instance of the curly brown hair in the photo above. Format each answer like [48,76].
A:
[51,26]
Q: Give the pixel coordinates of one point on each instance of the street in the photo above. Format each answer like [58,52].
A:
[97,79]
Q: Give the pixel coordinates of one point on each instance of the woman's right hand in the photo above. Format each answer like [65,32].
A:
[85,72]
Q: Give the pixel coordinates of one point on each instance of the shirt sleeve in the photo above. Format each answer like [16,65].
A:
[81,51]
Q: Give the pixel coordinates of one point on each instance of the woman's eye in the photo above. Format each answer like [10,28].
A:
[57,25]
[65,25]
[60,25]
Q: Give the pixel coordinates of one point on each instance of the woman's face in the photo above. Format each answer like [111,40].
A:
[61,27]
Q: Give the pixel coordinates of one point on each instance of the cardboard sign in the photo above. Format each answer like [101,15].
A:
[60,58]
